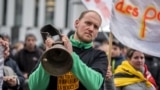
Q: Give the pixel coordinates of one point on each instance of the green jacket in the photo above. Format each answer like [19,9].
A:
[91,75]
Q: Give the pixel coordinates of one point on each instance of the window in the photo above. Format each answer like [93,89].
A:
[4,12]
[18,12]
[50,5]
[36,13]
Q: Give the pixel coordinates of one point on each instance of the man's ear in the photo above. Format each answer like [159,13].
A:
[76,23]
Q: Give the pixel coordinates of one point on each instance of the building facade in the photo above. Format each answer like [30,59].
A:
[19,17]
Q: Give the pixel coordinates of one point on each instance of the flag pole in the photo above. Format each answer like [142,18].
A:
[110,48]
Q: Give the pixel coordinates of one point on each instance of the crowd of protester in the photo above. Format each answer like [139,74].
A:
[129,69]
[16,65]
[24,56]
[121,57]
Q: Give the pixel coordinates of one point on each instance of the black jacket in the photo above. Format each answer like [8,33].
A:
[27,60]
[153,64]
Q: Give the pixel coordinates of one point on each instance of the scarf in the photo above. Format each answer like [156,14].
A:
[79,44]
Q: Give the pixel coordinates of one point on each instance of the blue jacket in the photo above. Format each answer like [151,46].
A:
[11,63]
[116,61]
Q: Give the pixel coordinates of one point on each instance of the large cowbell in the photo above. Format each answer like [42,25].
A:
[56,60]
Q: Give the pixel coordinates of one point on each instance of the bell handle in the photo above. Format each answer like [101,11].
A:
[58,42]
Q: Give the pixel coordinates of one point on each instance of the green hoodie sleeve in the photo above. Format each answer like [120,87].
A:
[90,78]
[39,79]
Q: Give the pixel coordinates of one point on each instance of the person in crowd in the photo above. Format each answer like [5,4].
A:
[154,67]
[89,64]
[116,54]
[133,73]
[4,49]
[6,37]
[109,80]
[13,77]
[28,57]
[124,50]
[158,79]
[104,46]
[16,48]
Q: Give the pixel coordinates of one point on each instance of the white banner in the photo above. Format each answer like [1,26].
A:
[136,24]
[103,7]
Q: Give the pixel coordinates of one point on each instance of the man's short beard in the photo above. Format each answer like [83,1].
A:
[81,38]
